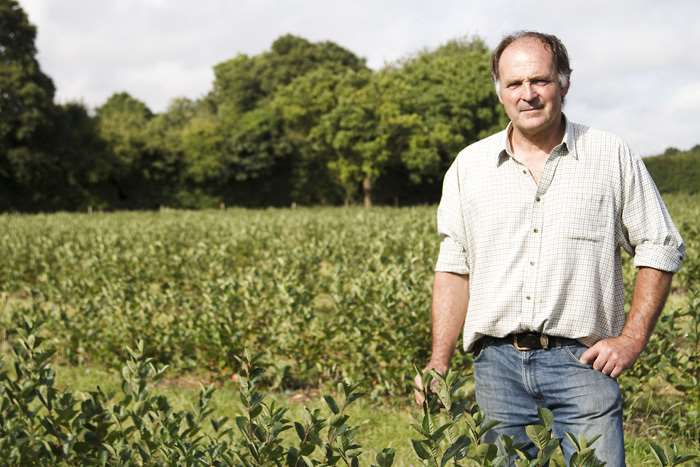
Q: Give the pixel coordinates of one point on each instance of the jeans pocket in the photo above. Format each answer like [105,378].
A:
[479,354]
[574,352]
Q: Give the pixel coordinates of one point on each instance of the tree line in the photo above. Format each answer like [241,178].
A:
[301,123]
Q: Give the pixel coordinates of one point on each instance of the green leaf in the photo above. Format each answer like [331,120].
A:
[658,453]
[301,432]
[678,460]
[421,450]
[331,404]
[242,424]
[486,451]
[572,439]
[385,458]
[453,450]
[538,434]
[590,442]
[438,433]
[255,410]
[292,456]
[546,416]
[549,449]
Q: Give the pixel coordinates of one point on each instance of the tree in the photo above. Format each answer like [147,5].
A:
[261,149]
[355,133]
[166,154]
[404,126]
[122,124]
[76,169]
[203,169]
[26,102]
[450,92]
[242,82]
[302,105]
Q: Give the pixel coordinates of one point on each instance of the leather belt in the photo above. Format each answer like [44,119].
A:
[526,341]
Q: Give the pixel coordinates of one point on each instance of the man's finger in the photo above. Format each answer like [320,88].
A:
[600,362]
[589,355]
[617,371]
[609,368]
[418,383]
[418,390]
[419,397]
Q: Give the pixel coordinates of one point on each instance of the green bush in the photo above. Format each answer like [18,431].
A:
[676,171]
[42,425]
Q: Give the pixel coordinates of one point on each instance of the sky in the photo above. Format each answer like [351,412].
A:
[636,63]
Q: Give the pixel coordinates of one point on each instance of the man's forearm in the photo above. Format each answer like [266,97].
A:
[651,289]
[450,299]
[615,354]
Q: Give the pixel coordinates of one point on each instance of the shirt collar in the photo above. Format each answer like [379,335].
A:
[566,147]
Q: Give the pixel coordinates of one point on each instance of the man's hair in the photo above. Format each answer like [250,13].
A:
[559,55]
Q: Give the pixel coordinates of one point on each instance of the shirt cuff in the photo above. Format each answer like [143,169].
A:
[451,258]
[663,257]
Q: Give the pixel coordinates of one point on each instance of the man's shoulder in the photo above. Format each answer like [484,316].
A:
[595,142]
[484,149]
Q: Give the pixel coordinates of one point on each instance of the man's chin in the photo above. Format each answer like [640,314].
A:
[531,125]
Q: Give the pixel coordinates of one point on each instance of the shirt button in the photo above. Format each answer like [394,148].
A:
[537,198]
[525,172]
[535,230]
[532,263]
[527,298]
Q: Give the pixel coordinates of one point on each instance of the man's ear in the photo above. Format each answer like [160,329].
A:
[497,85]
[565,89]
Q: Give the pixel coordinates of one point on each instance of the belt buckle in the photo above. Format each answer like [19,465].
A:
[521,348]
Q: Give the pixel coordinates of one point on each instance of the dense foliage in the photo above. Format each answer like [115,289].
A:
[327,294]
[300,123]
[676,171]
[42,424]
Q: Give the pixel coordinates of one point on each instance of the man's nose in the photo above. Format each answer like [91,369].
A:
[528,92]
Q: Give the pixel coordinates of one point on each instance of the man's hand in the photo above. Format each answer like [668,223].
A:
[450,300]
[613,355]
[418,383]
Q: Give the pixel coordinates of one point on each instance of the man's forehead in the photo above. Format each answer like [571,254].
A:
[527,43]
[526,53]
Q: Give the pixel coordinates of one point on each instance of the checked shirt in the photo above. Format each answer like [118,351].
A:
[547,257]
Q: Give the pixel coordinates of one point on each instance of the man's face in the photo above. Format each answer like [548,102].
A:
[529,88]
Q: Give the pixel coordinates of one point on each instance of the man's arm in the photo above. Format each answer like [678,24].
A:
[614,355]
[450,299]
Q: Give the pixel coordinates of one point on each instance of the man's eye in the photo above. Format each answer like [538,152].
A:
[513,85]
[541,82]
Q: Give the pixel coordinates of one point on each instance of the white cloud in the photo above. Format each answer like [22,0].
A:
[686,98]
[634,62]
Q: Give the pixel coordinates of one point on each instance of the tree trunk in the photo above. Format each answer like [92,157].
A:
[367,191]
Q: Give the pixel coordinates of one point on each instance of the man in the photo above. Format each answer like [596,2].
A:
[532,220]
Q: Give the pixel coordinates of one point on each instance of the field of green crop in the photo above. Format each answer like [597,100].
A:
[325,295]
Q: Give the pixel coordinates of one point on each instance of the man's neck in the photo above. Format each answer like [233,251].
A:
[541,142]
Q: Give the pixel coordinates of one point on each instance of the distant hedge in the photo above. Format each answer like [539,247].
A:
[676,171]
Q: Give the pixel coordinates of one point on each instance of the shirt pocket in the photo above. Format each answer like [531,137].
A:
[582,216]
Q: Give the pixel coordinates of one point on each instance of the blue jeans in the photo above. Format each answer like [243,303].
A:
[511,385]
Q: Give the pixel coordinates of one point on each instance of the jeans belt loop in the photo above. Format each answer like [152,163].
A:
[544,341]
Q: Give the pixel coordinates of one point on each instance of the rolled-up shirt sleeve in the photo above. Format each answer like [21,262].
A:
[453,256]
[647,228]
